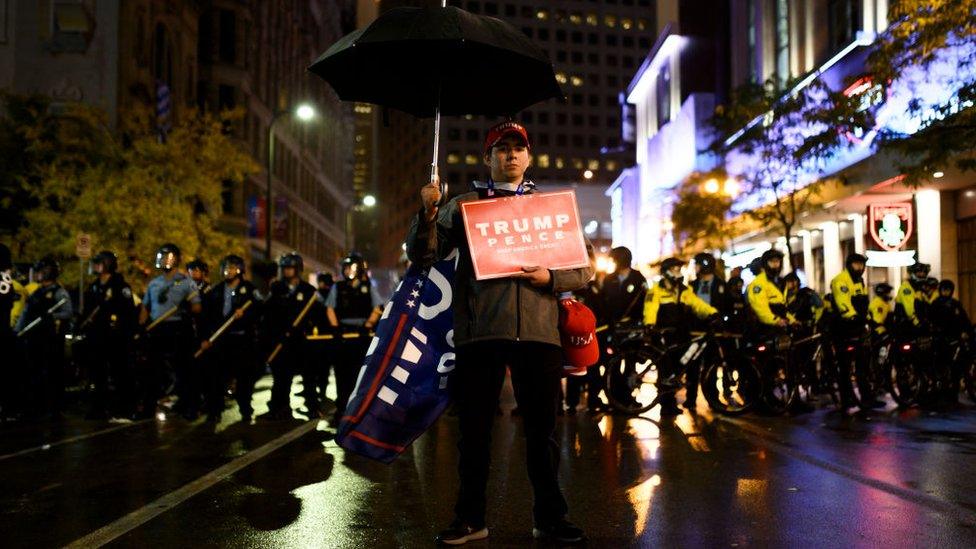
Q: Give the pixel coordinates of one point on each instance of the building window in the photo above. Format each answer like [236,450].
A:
[509,10]
[471,159]
[782,48]
[628,41]
[453,158]
[560,142]
[472,135]
[578,120]
[543,118]
[228,36]
[577,37]
[843,21]
[543,34]
[577,140]
[542,160]
[751,36]
[611,39]
[543,139]
[577,57]
[562,56]
[560,35]
[593,58]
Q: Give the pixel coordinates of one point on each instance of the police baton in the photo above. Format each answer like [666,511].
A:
[223,327]
[298,320]
[89,318]
[172,311]
[38,320]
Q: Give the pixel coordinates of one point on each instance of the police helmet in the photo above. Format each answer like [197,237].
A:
[755,266]
[931,282]
[622,257]
[198,264]
[855,258]
[792,277]
[47,269]
[292,259]
[108,261]
[168,257]
[234,260]
[353,266]
[325,278]
[5,261]
[736,284]
[883,289]
[768,256]
[705,262]
[668,265]
[919,270]
[947,285]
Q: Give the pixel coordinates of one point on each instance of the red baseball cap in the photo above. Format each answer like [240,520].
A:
[498,131]
[577,332]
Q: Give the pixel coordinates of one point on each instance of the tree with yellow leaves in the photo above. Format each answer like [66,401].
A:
[129,189]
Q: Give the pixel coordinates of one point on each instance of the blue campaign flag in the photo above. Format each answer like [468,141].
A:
[403,384]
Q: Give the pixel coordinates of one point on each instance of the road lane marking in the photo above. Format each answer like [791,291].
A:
[956,511]
[49,445]
[133,520]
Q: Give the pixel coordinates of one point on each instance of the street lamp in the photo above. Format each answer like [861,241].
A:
[588,174]
[366,202]
[305,113]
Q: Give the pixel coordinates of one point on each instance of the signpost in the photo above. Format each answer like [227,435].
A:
[506,234]
[83,251]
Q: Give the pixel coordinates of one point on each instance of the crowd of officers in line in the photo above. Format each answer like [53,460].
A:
[184,338]
[771,304]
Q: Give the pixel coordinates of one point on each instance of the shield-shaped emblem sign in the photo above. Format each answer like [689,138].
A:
[890,224]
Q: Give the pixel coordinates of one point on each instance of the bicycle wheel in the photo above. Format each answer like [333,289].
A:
[968,374]
[731,387]
[904,380]
[630,379]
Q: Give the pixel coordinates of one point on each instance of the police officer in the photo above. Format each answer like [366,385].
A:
[199,273]
[43,325]
[108,323]
[708,286]
[11,294]
[802,302]
[172,295]
[766,301]
[910,303]
[879,308]
[352,304]
[850,309]
[287,298]
[621,300]
[321,353]
[949,316]
[738,312]
[671,304]
[232,354]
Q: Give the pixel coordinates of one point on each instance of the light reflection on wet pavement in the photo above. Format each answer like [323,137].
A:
[892,479]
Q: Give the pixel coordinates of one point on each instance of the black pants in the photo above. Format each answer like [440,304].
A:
[232,358]
[45,358]
[349,360]
[170,362]
[536,369]
[592,382]
[107,352]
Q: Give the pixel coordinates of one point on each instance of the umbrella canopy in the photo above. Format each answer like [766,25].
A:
[416,59]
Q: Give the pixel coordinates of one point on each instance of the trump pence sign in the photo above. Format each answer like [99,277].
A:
[506,234]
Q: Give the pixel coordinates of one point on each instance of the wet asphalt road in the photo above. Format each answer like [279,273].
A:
[892,479]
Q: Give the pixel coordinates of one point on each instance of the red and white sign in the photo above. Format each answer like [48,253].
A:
[890,225]
[506,234]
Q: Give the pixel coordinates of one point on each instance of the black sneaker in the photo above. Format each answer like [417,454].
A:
[562,531]
[460,532]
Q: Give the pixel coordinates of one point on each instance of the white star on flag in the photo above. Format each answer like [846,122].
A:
[415,293]
[411,303]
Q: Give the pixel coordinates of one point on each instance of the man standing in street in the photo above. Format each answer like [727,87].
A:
[497,323]
[108,323]
[233,354]
[50,306]
[289,297]
[171,295]
[354,305]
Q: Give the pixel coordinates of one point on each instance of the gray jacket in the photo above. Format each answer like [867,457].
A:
[497,309]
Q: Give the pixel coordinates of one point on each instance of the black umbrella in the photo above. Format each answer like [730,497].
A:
[433,61]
